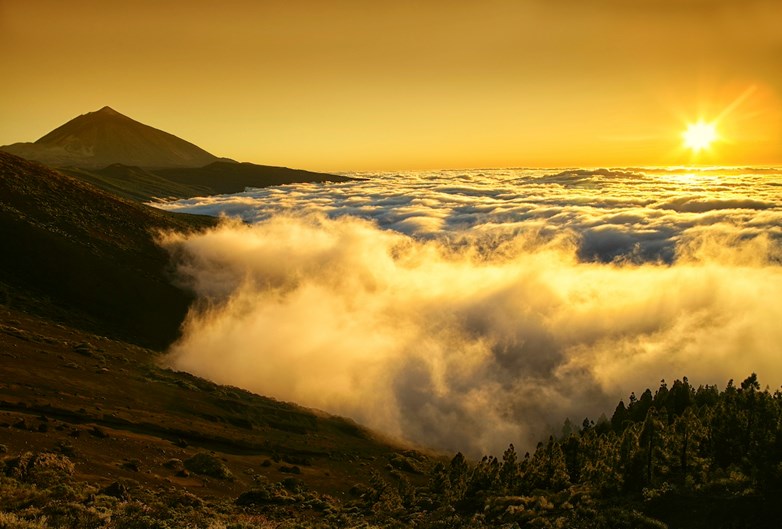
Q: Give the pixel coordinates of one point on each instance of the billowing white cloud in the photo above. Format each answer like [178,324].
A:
[467,311]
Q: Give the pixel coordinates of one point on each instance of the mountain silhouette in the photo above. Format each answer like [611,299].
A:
[136,161]
[98,139]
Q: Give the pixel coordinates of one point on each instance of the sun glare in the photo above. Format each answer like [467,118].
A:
[699,136]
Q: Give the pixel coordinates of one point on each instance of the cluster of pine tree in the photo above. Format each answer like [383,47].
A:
[665,455]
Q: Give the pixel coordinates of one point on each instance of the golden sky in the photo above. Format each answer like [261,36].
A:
[354,85]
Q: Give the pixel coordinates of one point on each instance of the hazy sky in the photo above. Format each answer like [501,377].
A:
[348,85]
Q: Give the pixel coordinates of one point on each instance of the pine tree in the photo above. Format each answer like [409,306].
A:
[660,399]
[458,471]
[619,417]
[509,471]
[631,460]
[689,437]
[651,434]
[680,397]
[548,468]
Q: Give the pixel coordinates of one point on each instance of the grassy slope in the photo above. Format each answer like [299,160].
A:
[72,381]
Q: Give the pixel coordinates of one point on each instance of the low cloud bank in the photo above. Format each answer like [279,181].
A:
[477,337]
[618,215]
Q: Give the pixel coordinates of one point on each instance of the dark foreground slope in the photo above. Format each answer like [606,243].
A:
[76,253]
[117,417]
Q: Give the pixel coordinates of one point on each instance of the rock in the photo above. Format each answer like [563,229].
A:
[134,465]
[116,490]
[98,432]
[84,349]
[174,464]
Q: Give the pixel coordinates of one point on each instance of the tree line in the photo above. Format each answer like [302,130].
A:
[660,456]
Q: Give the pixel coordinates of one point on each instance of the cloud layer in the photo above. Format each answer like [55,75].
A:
[469,310]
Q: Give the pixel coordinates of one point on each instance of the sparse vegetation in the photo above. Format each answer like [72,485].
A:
[678,457]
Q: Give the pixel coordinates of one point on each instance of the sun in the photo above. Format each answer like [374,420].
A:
[699,136]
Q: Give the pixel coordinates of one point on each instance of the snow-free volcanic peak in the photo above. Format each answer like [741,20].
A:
[104,137]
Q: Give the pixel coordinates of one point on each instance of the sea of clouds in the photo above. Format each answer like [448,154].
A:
[465,310]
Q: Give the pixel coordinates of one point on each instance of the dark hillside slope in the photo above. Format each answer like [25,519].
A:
[232,177]
[120,417]
[135,183]
[87,257]
[144,185]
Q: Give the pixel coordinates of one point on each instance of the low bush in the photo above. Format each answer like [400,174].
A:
[208,465]
[42,468]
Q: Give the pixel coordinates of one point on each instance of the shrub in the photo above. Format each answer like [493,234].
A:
[176,498]
[208,465]
[255,497]
[16,495]
[73,514]
[136,515]
[42,468]
[9,520]
[292,484]
[405,464]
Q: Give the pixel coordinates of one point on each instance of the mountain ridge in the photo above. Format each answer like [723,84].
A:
[97,139]
[224,177]
[136,161]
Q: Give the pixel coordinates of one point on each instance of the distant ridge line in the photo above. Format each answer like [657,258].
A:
[133,160]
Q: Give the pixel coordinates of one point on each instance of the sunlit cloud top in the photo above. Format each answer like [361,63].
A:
[466,310]
[630,214]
